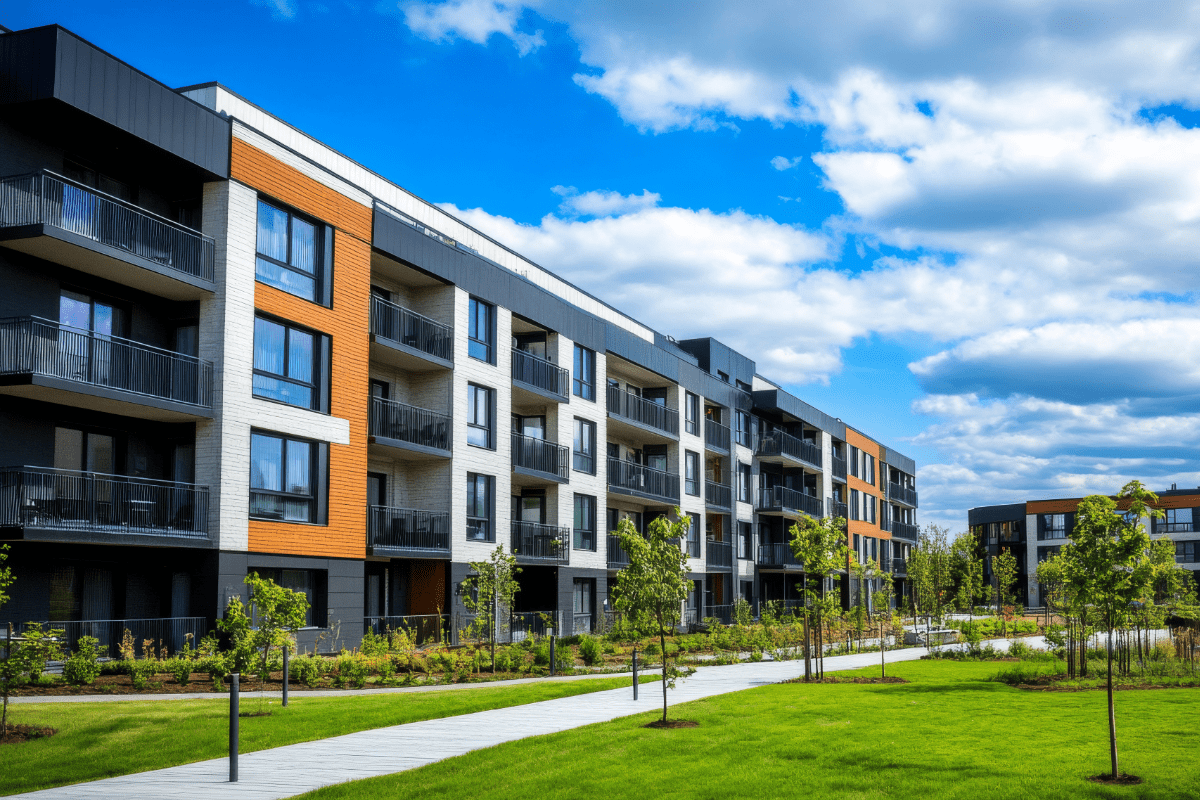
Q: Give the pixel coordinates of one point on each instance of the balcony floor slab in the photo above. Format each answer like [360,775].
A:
[100,398]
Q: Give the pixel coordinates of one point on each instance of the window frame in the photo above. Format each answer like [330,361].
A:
[474,481]
[489,405]
[580,536]
[745,540]
[583,387]
[855,505]
[691,413]
[322,252]
[588,426]
[489,323]
[693,535]
[691,464]
[317,454]
[320,369]
[745,475]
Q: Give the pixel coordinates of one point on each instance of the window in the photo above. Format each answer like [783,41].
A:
[854,462]
[741,420]
[584,451]
[480,330]
[311,583]
[1052,526]
[1177,520]
[480,494]
[286,364]
[581,604]
[855,505]
[291,250]
[868,473]
[745,540]
[584,381]
[1185,552]
[743,471]
[869,506]
[723,376]
[282,478]
[691,414]
[693,536]
[585,522]
[479,416]
[691,471]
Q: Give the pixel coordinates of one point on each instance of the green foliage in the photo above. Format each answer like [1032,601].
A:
[309,669]
[279,612]
[931,570]
[82,666]
[494,582]
[140,672]
[373,645]
[589,650]
[743,614]
[351,670]
[217,666]
[181,670]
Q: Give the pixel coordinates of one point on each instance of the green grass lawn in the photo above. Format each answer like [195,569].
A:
[950,733]
[100,740]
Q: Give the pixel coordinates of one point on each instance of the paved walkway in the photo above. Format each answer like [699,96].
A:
[298,768]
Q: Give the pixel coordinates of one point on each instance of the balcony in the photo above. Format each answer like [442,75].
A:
[48,361]
[93,507]
[534,543]
[540,459]
[398,430]
[638,415]
[406,532]
[718,555]
[717,495]
[903,530]
[51,217]
[779,447]
[901,494]
[781,500]
[839,468]
[778,556]
[899,566]
[716,436]
[617,557]
[627,478]
[540,377]
[408,340]
[840,510]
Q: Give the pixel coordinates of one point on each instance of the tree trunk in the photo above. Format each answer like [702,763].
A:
[1112,719]
[662,639]
[7,656]
[807,648]
[882,663]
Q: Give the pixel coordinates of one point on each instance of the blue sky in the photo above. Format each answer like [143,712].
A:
[967,228]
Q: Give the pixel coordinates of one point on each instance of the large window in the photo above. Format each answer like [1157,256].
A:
[693,536]
[855,504]
[283,482]
[583,381]
[290,252]
[691,414]
[854,461]
[741,421]
[585,522]
[286,364]
[479,416]
[583,454]
[745,540]
[743,472]
[1052,526]
[691,473]
[481,331]
[480,505]
[1185,552]
[311,583]
[868,473]
[1177,520]
[869,507]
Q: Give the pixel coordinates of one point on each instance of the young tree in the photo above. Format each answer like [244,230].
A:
[820,545]
[278,611]
[492,589]
[1004,567]
[930,571]
[651,590]
[1108,566]
[968,567]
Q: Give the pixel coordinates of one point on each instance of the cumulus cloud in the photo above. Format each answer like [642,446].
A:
[603,203]
[473,20]
[782,163]
[280,9]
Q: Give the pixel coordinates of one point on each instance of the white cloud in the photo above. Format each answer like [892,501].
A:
[473,20]
[782,163]
[280,9]
[603,203]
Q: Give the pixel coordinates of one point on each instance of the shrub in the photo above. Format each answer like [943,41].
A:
[307,669]
[82,666]
[373,645]
[115,667]
[217,667]
[352,670]
[142,671]
[589,650]
[181,669]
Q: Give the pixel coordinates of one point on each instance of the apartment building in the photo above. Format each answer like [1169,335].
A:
[225,347]
[1037,529]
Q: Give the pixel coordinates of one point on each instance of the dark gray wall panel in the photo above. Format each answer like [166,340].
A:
[899,461]
[1005,513]
[779,400]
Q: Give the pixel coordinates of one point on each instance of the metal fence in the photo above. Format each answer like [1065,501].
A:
[643,480]
[170,633]
[840,510]
[418,331]
[540,373]
[771,498]
[422,628]
[717,495]
[408,529]
[902,494]
[723,614]
[35,346]
[393,420]
[638,409]
[45,198]
[534,624]
[716,435]
[532,541]
[839,467]
[617,557]
[778,443]
[59,499]
[903,530]
[540,455]
[718,554]
[777,555]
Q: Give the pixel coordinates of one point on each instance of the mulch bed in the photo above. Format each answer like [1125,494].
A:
[838,679]
[24,733]
[1121,780]
[672,723]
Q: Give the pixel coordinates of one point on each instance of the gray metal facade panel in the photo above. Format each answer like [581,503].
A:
[27,65]
[899,460]
[1005,513]
[779,400]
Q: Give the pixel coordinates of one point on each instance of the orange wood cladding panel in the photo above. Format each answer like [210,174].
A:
[347,325]
[856,439]
[1071,504]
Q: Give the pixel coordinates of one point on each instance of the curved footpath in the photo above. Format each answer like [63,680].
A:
[298,768]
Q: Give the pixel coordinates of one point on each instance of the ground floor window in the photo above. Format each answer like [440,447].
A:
[309,582]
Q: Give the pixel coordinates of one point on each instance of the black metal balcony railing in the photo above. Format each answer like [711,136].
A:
[408,529]
[169,633]
[421,628]
[903,530]
[617,557]
[393,420]
[540,373]
[723,614]
[41,347]
[718,554]
[637,409]
[839,467]
[716,435]
[778,443]
[540,455]
[840,510]
[1161,526]
[532,541]
[58,499]
[643,480]
[47,199]
[777,555]
[772,498]
[417,331]
[899,566]
[717,495]
[902,494]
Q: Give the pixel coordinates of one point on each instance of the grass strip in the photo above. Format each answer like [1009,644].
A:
[102,740]
[951,732]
